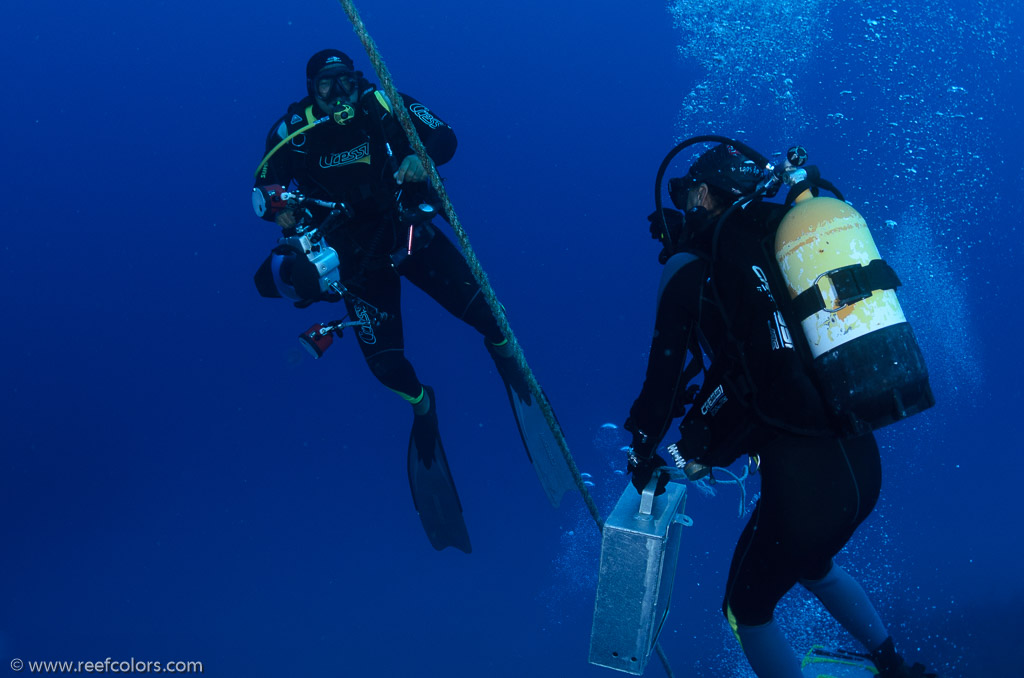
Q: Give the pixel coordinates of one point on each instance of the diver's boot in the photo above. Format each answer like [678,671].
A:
[423,406]
[425,437]
[891,665]
[508,370]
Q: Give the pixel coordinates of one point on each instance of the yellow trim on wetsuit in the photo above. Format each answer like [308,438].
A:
[311,122]
[501,350]
[411,399]
[420,404]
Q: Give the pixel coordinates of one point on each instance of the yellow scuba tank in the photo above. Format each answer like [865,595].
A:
[869,365]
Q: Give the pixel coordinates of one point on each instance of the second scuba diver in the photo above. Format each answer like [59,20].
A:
[343,143]
[717,314]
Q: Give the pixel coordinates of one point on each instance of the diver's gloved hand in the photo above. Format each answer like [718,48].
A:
[642,459]
[641,470]
[285,219]
[674,223]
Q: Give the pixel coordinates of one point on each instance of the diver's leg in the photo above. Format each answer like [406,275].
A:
[382,343]
[760,574]
[800,521]
[440,270]
[813,497]
[768,651]
[848,485]
[847,602]
[842,481]
[855,478]
[430,480]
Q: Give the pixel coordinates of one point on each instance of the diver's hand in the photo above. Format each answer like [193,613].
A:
[285,219]
[641,469]
[673,221]
[674,224]
[411,169]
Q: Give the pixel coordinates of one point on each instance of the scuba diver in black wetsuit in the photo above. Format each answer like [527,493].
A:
[717,314]
[342,156]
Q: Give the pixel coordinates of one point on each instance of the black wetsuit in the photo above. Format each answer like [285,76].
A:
[354,163]
[815,488]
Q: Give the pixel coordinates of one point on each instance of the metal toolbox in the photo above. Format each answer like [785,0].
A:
[639,551]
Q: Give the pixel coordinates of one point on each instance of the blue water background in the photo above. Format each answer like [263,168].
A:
[179,481]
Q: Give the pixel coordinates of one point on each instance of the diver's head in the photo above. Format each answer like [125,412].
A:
[715,181]
[718,178]
[333,83]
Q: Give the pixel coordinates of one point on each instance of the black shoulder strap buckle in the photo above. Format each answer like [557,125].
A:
[851,283]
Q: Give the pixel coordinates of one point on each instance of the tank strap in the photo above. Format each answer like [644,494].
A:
[851,283]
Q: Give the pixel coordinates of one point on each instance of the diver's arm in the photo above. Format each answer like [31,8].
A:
[653,410]
[438,138]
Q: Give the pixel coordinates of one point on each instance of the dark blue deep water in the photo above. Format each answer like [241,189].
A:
[180,481]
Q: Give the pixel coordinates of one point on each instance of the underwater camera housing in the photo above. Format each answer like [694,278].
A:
[302,267]
[318,274]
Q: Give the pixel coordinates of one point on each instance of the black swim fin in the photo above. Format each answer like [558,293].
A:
[540,443]
[430,480]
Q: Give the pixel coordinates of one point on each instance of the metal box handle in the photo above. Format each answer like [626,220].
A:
[647,496]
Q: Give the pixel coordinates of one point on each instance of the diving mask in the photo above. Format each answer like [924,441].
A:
[335,86]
